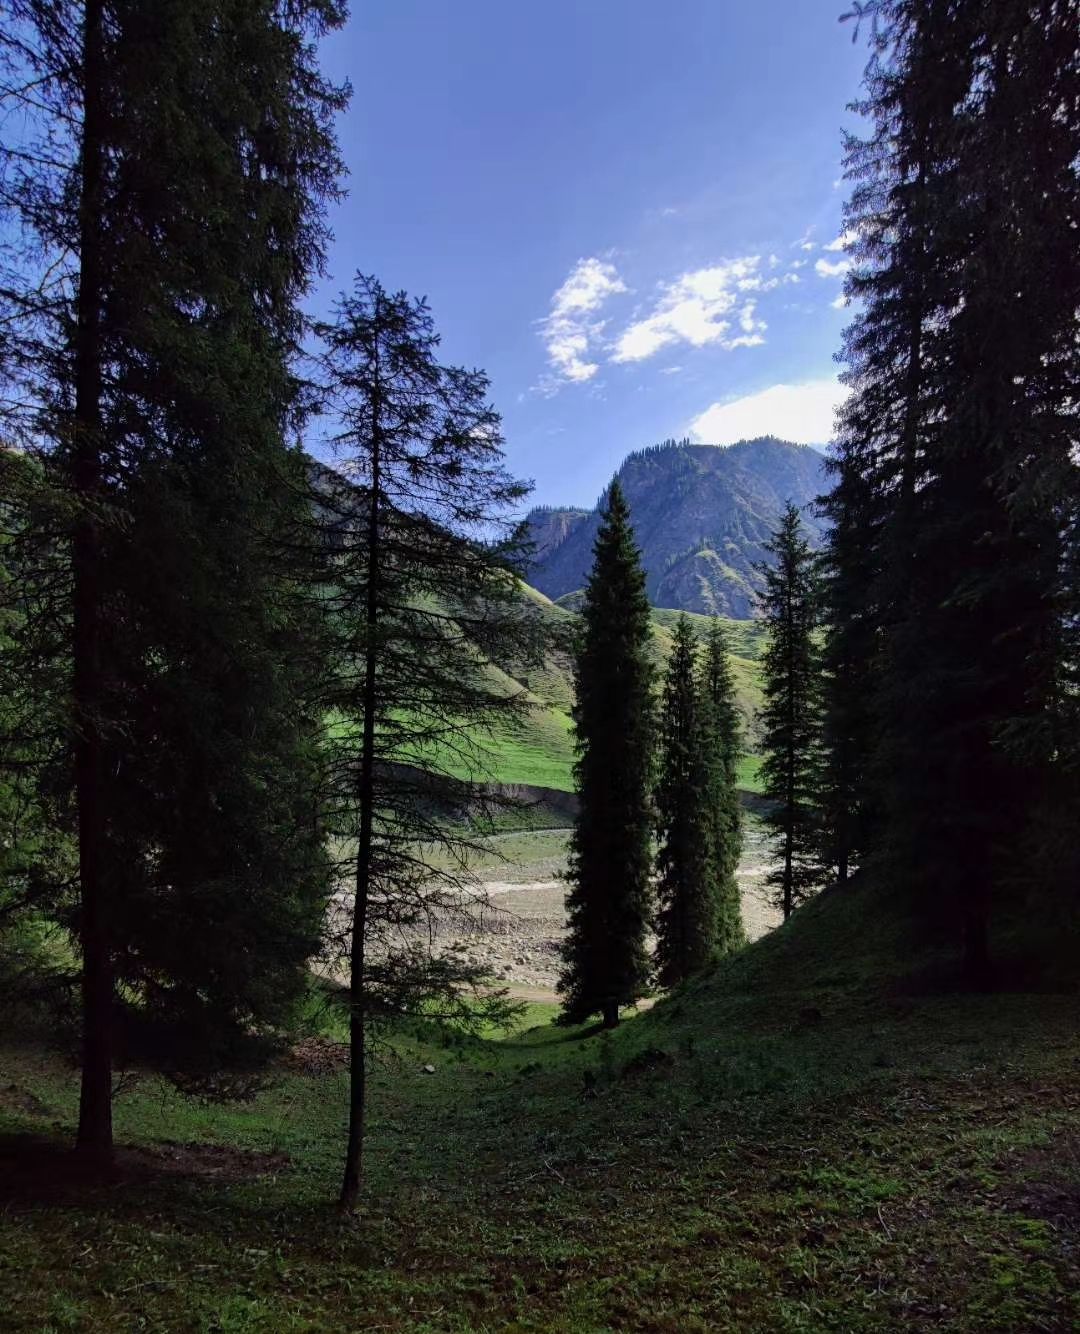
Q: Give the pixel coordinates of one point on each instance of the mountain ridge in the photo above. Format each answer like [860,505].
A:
[702,515]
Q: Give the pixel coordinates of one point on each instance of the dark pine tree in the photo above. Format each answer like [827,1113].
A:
[423,597]
[605,961]
[721,734]
[850,665]
[171,183]
[36,849]
[686,923]
[790,714]
[963,363]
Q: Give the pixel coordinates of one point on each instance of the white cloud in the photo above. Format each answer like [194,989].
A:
[572,327]
[800,412]
[840,303]
[844,242]
[699,308]
[826,268]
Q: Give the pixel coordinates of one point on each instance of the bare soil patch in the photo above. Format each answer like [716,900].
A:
[35,1170]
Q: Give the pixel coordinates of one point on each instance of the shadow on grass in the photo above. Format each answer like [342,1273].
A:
[36,1170]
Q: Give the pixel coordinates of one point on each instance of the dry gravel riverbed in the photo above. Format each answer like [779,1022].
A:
[518,930]
[514,920]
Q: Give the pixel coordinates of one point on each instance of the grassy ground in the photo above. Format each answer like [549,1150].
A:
[795,1143]
[517,856]
[749,777]
[540,752]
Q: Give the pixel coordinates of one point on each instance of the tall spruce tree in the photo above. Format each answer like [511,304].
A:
[605,962]
[850,666]
[790,714]
[721,735]
[686,923]
[186,155]
[963,364]
[423,601]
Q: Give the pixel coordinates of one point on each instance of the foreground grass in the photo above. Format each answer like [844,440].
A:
[783,1146]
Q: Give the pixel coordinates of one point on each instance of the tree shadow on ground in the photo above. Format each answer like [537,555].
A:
[36,1170]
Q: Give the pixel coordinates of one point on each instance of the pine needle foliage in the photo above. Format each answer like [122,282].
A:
[958,481]
[790,716]
[605,960]
[164,208]
[851,663]
[686,923]
[422,597]
[721,742]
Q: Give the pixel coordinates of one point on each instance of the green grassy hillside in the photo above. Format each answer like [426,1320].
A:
[802,1141]
[540,752]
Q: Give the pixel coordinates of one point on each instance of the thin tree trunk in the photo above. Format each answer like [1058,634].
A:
[95,1099]
[354,1154]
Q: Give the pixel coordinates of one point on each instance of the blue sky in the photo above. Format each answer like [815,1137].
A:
[621,209]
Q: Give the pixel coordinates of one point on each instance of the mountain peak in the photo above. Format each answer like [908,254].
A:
[702,515]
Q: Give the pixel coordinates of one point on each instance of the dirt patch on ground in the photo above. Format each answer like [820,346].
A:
[220,1161]
[1046,1184]
[35,1170]
[318,1056]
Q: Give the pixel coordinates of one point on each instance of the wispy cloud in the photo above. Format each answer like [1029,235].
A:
[572,328]
[804,413]
[699,308]
[844,242]
[826,268]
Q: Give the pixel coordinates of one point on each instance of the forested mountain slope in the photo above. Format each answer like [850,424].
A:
[701,513]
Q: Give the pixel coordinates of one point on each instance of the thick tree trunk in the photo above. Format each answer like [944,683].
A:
[611,1014]
[95,1101]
